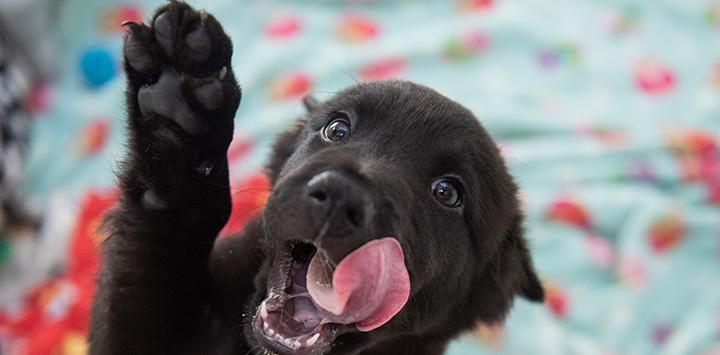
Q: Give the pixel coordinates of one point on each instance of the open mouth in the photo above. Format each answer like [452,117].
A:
[311,301]
[288,321]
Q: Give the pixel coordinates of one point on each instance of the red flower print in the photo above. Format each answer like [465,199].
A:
[112,18]
[691,142]
[54,314]
[249,196]
[666,232]
[568,211]
[94,136]
[556,299]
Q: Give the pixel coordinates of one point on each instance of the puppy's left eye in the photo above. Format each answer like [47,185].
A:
[446,191]
[337,129]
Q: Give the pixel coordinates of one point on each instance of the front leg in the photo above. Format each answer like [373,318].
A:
[181,100]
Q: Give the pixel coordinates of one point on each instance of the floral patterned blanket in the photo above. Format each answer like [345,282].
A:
[608,113]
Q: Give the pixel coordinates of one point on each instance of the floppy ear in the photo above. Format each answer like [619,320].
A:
[529,286]
[286,142]
[285,145]
[310,102]
[532,288]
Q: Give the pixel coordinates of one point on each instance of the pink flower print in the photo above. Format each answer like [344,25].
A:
[39,98]
[283,26]
[661,333]
[474,5]
[653,77]
[632,271]
[620,21]
[558,54]
[601,251]
[383,69]
[641,170]
[290,86]
[466,46]
[355,28]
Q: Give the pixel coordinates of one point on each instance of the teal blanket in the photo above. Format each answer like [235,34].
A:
[608,113]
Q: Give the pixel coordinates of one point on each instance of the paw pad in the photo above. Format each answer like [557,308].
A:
[173,65]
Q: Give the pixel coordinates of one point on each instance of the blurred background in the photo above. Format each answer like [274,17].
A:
[608,113]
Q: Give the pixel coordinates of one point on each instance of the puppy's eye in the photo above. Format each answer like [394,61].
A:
[337,129]
[445,190]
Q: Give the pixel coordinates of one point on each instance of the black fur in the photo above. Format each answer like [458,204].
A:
[165,286]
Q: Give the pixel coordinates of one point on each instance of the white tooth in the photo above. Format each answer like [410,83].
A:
[270,331]
[312,340]
[263,310]
[296,344]
[266,325]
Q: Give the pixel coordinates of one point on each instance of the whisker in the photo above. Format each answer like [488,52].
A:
[252,350]
[342,70]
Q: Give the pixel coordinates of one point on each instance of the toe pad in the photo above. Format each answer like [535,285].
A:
[164,98]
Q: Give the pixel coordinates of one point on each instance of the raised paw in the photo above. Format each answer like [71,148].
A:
[179,70]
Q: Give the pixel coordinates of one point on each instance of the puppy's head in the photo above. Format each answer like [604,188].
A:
[392,215]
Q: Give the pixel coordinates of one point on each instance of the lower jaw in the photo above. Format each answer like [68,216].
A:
[268,334]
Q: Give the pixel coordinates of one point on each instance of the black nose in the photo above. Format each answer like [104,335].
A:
[335,198]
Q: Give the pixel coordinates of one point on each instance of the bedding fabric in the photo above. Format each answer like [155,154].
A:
[608,113]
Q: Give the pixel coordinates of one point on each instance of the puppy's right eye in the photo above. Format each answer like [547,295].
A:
[446,191]
[337,129]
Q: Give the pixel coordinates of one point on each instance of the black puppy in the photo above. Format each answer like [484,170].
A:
[392,226]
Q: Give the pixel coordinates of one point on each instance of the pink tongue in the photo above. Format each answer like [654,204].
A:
[369,286]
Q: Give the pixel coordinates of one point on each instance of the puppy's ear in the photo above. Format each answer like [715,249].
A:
[310,102]
[529,286]
[285,145]
[531,289]
[287,141]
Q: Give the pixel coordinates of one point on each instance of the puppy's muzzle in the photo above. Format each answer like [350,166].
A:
[337,203]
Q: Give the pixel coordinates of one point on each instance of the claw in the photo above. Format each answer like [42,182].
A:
[206,168]
[130,24]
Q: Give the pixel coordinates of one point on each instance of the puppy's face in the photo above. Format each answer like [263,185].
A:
[392,215]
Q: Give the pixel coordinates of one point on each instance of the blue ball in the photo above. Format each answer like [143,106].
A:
[97,66]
